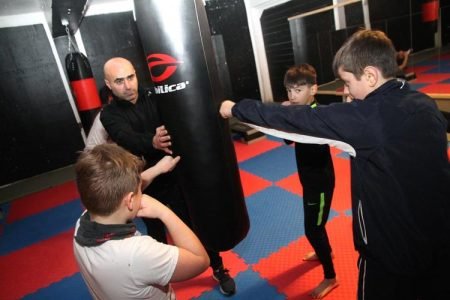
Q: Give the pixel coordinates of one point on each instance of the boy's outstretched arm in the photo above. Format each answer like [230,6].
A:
[192,257]
[166,164]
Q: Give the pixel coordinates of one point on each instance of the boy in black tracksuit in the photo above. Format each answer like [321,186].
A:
[316,173]
[400,176]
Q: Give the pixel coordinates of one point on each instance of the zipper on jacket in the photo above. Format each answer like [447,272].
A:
[362,225]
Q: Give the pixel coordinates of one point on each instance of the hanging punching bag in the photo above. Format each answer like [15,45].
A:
[83,87]
[177,42]
[430,13]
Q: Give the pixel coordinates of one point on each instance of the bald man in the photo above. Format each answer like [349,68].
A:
[132,121]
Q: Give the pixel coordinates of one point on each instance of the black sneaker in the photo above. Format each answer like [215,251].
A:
[227,285]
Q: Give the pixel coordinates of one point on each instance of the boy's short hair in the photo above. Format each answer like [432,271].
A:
[366,48]
[104,175]
[302,74]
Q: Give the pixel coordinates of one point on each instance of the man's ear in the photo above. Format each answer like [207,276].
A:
[372,75]
[107,83]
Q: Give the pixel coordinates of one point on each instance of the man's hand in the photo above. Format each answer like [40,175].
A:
[161,140]
[225,109]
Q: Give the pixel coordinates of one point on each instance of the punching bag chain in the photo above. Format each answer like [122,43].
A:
[70,42]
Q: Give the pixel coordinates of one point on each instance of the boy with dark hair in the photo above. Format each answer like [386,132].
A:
[400,175]
[116,262]
[316,173]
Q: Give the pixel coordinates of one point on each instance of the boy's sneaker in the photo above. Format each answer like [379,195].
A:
[227,285]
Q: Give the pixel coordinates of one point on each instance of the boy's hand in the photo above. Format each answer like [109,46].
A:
[161,140]
[286,103]
[225,109]
[167,164]
[151,208]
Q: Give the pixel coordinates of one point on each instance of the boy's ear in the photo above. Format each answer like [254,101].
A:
[128,200]
[372,75]
[313,89]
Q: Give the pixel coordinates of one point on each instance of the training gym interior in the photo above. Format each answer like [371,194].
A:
[251,43]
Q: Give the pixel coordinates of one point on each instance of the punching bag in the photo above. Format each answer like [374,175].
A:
[430,13]
[177,43]
[83,87]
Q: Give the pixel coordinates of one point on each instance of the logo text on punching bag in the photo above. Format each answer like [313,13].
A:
[163,89]
[161,67]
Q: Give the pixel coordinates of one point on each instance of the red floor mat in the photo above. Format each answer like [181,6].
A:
[296,278]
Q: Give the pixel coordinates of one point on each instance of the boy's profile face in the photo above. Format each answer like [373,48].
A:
[301,94]
[353,87]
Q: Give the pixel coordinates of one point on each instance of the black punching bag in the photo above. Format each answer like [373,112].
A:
[83,87]
[177,42]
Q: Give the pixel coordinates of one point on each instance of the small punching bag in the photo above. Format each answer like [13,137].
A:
[83,87]
[430,13]
[177,42]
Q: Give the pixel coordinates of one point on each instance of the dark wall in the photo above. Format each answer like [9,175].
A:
[445,22]
[229,19]
[39,130]
[313,39]
[312,44]
[402,22]
[278,41]
[111,35]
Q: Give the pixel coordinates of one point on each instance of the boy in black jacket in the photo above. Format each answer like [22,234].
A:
[316,173]
[400,175]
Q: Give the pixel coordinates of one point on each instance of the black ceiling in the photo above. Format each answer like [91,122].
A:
[71,11]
